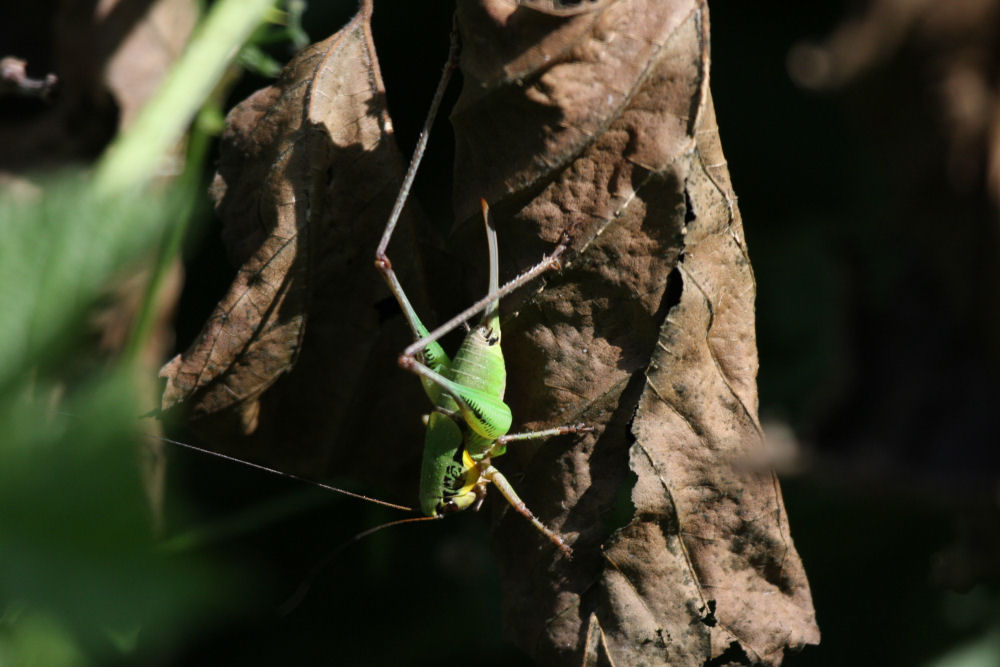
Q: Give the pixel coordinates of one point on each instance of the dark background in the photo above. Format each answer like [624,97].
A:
[874,239]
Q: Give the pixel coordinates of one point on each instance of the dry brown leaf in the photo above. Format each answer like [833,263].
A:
[596,119]
[307,176]
[602,123]
[109,56]
[148,38]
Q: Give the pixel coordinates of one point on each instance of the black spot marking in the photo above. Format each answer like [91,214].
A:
[476,410]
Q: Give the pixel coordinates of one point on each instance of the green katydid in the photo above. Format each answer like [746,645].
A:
[469,424]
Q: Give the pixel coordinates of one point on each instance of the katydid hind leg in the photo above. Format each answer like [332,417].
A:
[418,152]
[548,263]
[545,433]
[489,303]
[508,492]
[433,354]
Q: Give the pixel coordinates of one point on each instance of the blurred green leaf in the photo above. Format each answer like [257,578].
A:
[983,651]
[60,249]
[82,580]
[76,547]
[38,640]
[135,157]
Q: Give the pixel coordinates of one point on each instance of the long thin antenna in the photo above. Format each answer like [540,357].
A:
[300,593]
[289,475]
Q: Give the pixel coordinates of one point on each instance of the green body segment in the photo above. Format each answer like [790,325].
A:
[443,473]
[434,358]
[478,377]
[472,386]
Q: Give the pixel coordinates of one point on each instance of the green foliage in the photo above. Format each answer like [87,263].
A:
[82,580]
[61,247]
[78,563]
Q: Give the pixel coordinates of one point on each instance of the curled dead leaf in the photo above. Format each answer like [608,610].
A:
[307,176]
[601,123]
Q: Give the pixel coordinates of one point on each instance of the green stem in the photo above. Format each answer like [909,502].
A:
[133,159]
[185,192]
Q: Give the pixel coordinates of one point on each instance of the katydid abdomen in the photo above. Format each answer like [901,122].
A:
[447,483]
[450,476]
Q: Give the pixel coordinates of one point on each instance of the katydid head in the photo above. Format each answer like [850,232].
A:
[487,333]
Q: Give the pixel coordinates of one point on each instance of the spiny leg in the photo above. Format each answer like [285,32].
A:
[488,416]
[548,263]
[504,487]
[432,354]
[425,132]
[547,433]
[508,491]
[382,262]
